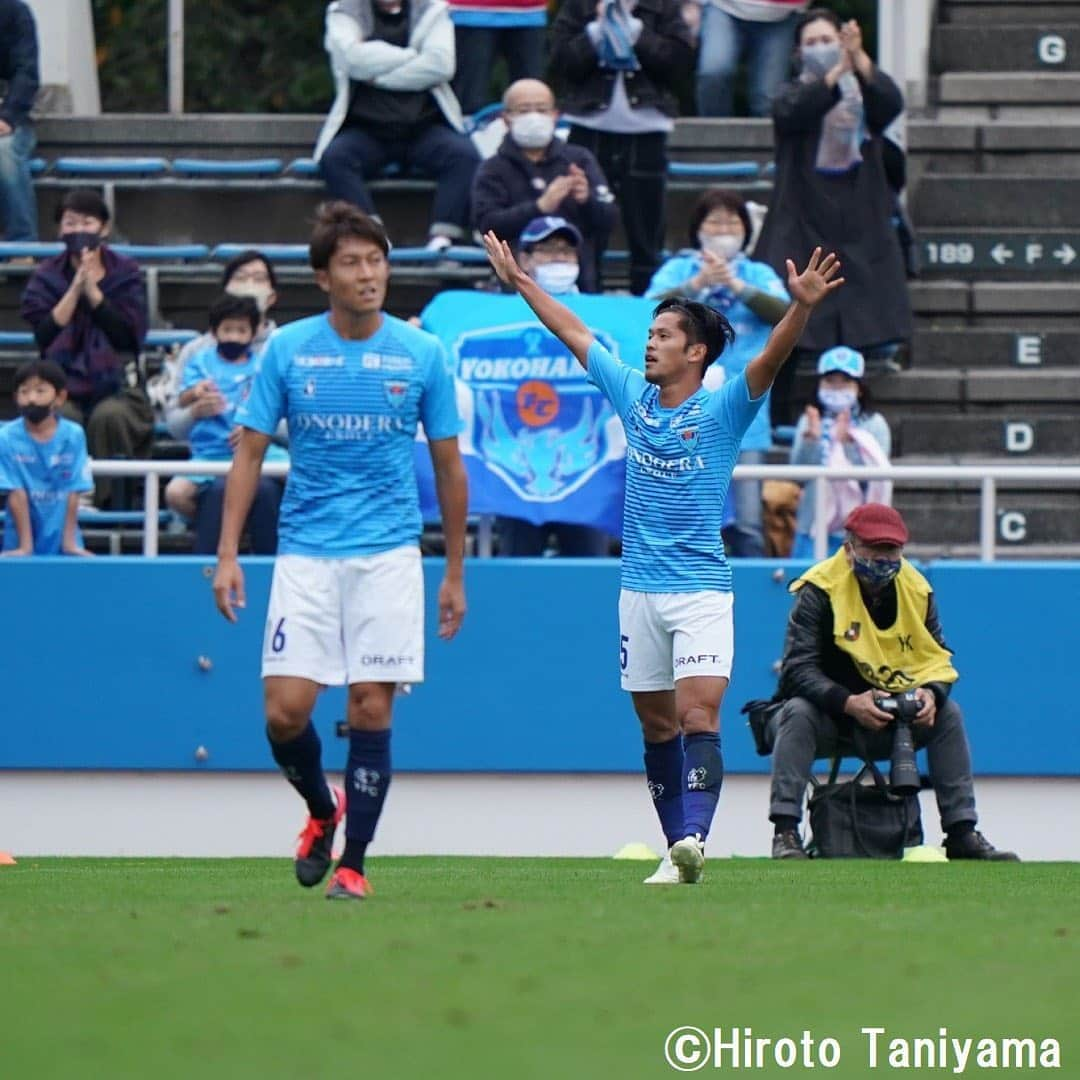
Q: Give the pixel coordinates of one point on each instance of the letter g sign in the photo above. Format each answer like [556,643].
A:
[1051,49]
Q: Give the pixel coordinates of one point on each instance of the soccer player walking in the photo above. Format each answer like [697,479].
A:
[346,604]
[676,638]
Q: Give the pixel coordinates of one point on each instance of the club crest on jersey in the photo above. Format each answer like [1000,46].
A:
[688,438]
[396,390]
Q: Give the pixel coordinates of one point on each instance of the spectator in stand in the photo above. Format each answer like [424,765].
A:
[840,430]
[392,62]
[715,270]
[87,307]
[19,70]
[618,62]
[247,274]
[43,467]
[831,181]
[535,173]
[757,32]
[485,29]
[231,365]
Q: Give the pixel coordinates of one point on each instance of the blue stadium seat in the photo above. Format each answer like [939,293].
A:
[38,166]
[286,253]
[111,166]
[471,255]
[22,249]
[215,168]
[164,339]
[726,170]
[783,434]
[303,168]
[168,252]
[16,338]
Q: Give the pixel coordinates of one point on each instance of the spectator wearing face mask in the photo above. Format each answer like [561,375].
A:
[249,273]
[87,308]
[831,182]
[840,430]
[715,270]
[535,173]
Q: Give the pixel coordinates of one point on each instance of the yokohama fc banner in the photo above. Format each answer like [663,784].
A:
[540,442]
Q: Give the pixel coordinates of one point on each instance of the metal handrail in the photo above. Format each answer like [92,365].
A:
[986,477]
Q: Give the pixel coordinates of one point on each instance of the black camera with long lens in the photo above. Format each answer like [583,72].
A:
[903,770]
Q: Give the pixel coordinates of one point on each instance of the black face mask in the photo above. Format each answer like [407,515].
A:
[232,350]
[34,414]
[78,242]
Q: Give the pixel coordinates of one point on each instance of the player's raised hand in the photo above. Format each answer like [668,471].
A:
[502,260]
[229,588]
[451,607]
[816,281]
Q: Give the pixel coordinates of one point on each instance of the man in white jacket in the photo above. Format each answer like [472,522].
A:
[392,62]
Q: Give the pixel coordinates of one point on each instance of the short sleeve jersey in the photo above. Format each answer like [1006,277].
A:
[48,473]
[352,408]
[678,467]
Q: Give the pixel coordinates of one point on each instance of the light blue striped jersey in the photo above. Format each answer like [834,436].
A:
[352,409]
[678,468]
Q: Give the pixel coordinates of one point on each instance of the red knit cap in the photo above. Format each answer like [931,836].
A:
[875,523]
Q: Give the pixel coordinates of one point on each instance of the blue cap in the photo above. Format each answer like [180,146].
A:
[847,361]
[543,227]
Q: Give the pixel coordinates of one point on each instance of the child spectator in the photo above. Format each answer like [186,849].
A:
[43,467]
[227,369]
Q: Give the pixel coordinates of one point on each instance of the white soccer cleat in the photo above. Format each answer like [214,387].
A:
[688,855]
[665,874]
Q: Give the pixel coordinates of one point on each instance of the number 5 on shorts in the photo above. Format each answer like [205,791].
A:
[624,657]
[277,642]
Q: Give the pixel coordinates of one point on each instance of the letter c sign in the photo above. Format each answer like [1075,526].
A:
[1051,49]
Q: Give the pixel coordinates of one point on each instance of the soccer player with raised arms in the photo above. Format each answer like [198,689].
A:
[346,604]
[676,637]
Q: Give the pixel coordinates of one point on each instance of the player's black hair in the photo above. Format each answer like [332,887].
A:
[84,201]
[701,324]
[718,199]
[336,220]
[234,307]
[47,370]
[249,256]
[813,15]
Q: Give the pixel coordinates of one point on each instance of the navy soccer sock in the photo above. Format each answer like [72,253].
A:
[664,770]
[703,773]
[367,779]
[300,760]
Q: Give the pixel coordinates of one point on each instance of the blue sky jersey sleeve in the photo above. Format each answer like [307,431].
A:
[733,407]
[267,403]
[621,384]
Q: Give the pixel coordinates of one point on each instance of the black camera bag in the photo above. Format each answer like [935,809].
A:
[859,820]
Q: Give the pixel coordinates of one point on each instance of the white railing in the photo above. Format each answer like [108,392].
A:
[985,477]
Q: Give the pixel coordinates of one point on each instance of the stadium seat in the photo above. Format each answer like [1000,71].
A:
[166,252]
[16,339]
[304,168]
[111,166]
[38,166]
[283,253]
[215,168]
[33,249]
[165,339]
[720,170]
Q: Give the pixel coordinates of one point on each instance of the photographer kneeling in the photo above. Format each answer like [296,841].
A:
[864,628]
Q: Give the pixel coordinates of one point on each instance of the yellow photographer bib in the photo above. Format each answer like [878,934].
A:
[901,656]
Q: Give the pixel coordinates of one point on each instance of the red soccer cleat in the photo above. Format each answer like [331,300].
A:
[347,884]
[314,848]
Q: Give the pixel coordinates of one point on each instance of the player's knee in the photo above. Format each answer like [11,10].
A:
[698,719]
[658,727]
[285,721]
[370,706]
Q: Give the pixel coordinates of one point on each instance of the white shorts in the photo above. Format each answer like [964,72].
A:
[664,637]
[338,621]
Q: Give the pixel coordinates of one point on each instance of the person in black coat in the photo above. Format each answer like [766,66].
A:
[19,71]
[831,182]
[535,174]
[617,62]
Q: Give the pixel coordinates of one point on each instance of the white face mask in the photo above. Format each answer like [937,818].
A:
[726,245]
[837,401]
[532,130]
[819,59]
[259,293]
[556,277]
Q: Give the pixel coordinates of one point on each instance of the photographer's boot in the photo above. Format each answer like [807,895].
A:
[787,845]
[973,845]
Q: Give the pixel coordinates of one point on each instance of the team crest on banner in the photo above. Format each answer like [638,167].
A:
[396,390]
[538,423]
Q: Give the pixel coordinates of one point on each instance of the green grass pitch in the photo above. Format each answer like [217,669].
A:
[517,968]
